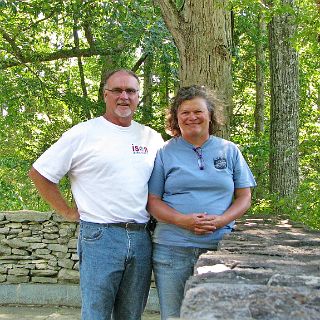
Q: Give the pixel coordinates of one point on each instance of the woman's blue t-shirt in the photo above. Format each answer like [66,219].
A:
[178,180]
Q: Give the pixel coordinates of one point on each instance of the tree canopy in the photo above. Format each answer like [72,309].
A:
[53,56]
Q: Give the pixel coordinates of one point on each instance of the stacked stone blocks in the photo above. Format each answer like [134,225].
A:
[38,247]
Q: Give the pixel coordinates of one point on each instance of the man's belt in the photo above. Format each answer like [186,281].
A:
[133,226]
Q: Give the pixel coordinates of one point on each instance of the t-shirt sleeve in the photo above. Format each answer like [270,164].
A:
[56,161]
[242,175]
[157,180]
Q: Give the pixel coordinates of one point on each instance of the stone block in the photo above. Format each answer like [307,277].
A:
[26,216]
[44,280]
[50,229]
[66,232]
[50,236]
[49,241]
[3,278]
[14,225]
[53,262]
[41,266]
[58,248]
[44,273]
[18,272]
[58,218]
[24,233]
[32,239]
[15,243]
[68,275]
[63,241]
[14,258]
[74,257]
[5,250]
[17,279]
[66,263]
[72,244]
[42,251]
[4,230]
[35,246]
[242,302]
[20,252]
[43,256]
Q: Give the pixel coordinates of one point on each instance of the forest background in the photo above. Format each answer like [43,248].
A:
[54,54]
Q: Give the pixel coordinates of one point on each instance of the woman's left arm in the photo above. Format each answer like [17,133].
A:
[241,203]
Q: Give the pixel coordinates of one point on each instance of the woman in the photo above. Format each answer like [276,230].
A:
[200,184]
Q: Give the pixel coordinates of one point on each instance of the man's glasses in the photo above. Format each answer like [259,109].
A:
[118,91]
[198,151]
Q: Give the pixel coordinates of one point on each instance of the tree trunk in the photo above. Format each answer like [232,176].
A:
[202,33]
[260,77]
[147,113]
[284,176]
[80,65]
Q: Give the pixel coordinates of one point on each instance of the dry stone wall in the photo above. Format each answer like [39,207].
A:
[37,247]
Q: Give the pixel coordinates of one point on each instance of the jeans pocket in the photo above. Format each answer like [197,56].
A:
[91,232]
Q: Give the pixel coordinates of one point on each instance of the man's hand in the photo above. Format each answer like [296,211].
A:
[72,214]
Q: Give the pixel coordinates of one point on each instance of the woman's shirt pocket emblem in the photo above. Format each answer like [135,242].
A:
[220,163]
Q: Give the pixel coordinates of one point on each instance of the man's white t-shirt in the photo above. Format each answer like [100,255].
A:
[109,167]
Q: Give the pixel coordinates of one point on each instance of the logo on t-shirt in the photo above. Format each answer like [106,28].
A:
[139,149]
[220,163]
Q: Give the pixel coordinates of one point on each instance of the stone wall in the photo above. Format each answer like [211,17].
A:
[267,269]
[37,247]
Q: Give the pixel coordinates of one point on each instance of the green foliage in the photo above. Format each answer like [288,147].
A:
[305,206]
[42,92]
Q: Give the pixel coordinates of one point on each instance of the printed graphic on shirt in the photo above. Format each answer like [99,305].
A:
[220,163]
[139,149]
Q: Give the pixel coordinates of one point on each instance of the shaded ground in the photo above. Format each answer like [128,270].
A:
[50,313]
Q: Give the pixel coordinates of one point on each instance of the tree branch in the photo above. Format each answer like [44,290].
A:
[61,54]
[81,71]
[139,62]
[88,34]
[16,50]
[38,21]
[171,16]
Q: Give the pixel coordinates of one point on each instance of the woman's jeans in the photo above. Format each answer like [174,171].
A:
[115,271]
[172,266]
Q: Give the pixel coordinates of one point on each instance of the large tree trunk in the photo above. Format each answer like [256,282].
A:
[284,176]
[202,33]
[260,77]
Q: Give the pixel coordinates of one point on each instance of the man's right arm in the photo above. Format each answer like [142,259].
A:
[50,192]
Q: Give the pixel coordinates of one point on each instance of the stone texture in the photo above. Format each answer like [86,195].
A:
[266,269]
[243,302]
[44,280]
[17,279]
[4,230]
[5,250]
[67,274]
[58,248]
[26,216]
[32,250]
[44,273]
[15,243]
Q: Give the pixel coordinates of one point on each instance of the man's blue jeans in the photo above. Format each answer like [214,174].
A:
[115,271]
[172,266]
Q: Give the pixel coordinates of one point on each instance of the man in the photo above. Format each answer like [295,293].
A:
[109,161]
